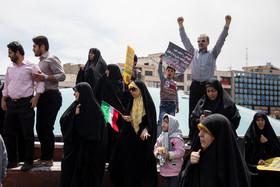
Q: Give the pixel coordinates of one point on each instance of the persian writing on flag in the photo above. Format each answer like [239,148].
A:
[177,58]
[111,115]
[272,164]
[128,66]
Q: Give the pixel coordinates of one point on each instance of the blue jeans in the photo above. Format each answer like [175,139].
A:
[165,107]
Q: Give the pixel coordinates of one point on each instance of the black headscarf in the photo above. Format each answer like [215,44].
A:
[110,89]
[93,69]
[222,105]
[221,164]
[91,126]
[255,150]
[85,141]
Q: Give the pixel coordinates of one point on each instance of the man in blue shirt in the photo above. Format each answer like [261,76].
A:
[203,62]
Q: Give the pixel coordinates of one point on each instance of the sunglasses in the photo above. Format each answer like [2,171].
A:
[133,89]
[199,41]
[75,89]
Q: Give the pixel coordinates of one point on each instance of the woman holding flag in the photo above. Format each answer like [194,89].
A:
[133,163]
[85,140]
[109,92]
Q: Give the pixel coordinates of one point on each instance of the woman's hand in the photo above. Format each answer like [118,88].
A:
[127,118]
[263,139]
[128,79]
[261,162]
[195,157]
[78,109]
[201,117]
[144,135]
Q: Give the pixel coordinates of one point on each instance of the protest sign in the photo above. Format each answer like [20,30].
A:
[177,58]
[128,64]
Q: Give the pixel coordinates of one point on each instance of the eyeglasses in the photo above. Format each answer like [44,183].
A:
[133,89]
[199,41]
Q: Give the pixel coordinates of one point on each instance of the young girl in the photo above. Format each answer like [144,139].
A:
[170,146]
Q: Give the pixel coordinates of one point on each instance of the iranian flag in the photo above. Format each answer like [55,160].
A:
[111,115]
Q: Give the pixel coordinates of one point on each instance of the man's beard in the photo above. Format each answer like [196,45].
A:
[38,53]
[14,59]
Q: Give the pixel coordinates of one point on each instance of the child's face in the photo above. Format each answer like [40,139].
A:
[169,73]
[165,125]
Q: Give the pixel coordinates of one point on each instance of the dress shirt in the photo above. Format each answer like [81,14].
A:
[19,82]
[203,64]
[51,65]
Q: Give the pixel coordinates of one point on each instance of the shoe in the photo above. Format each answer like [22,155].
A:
[12,165]
[26,166]
[42,163]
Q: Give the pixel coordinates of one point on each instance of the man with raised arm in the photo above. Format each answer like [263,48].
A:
[203,63]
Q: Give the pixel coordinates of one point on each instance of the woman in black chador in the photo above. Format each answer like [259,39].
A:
[261,144]
[214,159]
[133,163]
[85,140]
[218,101]
[93,69]
[109,88]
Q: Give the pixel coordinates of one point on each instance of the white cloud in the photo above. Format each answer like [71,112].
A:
[73,27]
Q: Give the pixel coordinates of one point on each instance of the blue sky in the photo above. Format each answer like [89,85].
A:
[73,27]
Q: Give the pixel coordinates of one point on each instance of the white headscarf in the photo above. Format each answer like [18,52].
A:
[174,131]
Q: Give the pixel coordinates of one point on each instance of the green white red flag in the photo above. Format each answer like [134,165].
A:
[111,115]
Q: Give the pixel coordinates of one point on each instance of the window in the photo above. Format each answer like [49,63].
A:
[154,84]
[149,73]
[189,76]
[179,78]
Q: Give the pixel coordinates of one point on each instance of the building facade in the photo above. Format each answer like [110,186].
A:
[256,87]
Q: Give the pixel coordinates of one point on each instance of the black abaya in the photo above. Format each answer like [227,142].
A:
[2,113]
[134,163]
[110,90]
[93,69]
[222,105]
[221,164]
[85,141]
[255,150]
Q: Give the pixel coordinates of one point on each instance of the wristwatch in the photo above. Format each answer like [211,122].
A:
[46,77]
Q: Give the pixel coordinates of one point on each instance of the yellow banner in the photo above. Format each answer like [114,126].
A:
[272,164]
[128,64]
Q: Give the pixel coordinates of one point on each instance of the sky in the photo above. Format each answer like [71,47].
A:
[75,26]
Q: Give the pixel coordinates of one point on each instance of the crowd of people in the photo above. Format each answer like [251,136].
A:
[140,141]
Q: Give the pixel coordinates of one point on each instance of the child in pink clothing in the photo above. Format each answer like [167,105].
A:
[169,148]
